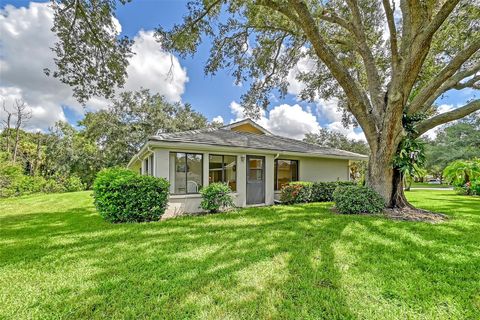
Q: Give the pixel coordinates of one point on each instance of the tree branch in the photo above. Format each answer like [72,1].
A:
[373,78]
[393,34]
[359,105]
[447,72]
[458,113]
[453,83]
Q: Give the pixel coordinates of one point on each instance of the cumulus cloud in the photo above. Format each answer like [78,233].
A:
[26,40]
[154,69]
[349,131]
[285,120]
[218,119]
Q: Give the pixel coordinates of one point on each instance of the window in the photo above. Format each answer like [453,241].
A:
[223,169]
[186,170]
[285,171]
[148,166]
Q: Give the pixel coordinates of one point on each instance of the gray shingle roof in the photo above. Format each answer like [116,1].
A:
[228,138]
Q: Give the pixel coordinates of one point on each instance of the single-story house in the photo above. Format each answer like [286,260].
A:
[254,162]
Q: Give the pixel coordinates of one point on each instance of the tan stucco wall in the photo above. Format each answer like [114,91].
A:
[310,169]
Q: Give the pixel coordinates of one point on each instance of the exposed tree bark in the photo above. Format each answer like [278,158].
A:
[7,126]
[38,155]
[22,115]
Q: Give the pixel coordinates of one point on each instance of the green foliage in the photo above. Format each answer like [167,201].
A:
[459,140]
[296,192]
[334,139]
[124,196]
[323,191]
[464,175]
[11,179]
[120,130]
[356,199]
[89,43]
[216,196]
[410,156]
[74,184]
[460,172]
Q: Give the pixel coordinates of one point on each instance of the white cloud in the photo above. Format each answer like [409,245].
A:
[218,119]
[284,120]
[26,40]
[154,69]
[349,132]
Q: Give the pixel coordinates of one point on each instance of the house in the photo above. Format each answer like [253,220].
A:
[250,159]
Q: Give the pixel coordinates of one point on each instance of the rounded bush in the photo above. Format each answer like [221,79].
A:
[122,195]
[216,196]
[356,199]
[296,192]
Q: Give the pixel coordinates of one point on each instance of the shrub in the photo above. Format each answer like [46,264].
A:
[31,185]
[53,186]
[355,199]
[122,195]
[11,179]
[74,183]
[323,191]
[296,192]
[216,196]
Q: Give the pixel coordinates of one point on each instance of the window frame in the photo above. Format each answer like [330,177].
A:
[275,172]
[223,167]
[186,171]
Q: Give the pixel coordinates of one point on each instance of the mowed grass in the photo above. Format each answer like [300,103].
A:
[59,260]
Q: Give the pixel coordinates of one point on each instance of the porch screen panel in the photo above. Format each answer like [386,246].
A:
[187,172]
[223,168]
[285,171]
[194,172]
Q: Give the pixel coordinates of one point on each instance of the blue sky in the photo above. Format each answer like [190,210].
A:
[211,95]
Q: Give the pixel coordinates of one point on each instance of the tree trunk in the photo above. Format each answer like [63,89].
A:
[386,180]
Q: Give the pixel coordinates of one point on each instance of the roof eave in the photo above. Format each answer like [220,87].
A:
[207,146]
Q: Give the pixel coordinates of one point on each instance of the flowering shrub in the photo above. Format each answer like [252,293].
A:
[296,192]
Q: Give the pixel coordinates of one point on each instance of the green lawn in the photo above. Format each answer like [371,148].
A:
[58,259]
[429,185]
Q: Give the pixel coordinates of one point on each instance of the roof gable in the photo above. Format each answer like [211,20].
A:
[247,126]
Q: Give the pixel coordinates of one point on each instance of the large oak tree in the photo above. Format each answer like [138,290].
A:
[387,65]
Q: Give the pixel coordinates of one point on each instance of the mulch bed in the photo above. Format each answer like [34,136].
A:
[408,214]
[412,214]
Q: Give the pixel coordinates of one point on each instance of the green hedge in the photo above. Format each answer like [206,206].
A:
[13,182]
[356,199]
[323,191]
[303,191]
[122,195]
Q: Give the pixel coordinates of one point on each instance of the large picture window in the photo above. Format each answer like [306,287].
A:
[186,169]
[285,171]
[223,168]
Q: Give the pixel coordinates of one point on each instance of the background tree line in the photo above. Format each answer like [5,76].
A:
[67,158]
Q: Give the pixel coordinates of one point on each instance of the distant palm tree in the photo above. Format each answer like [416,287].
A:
[460,172]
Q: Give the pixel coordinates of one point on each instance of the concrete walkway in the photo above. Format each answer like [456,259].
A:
[439,189]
